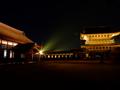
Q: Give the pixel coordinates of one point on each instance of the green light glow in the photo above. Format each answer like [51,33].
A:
[61,40]
[50,45]
[41,52]
[55,42]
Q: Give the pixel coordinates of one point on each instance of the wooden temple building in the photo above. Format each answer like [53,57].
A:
[9,39]
[100,44]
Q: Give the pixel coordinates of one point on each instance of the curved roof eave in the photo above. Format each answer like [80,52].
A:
[9,33]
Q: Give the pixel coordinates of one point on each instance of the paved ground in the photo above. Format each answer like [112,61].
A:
[59,71]
[71,73]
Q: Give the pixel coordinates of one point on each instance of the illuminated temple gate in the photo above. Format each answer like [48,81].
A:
[100,42]
[9,38]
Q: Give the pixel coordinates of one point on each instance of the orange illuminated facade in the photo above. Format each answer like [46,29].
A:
[100,41]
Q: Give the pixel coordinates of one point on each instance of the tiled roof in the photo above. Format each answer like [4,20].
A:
[95,30]
[12,34]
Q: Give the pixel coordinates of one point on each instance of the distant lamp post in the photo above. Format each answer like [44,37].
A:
[40,53]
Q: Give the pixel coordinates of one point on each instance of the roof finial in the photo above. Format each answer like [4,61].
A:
[83,31]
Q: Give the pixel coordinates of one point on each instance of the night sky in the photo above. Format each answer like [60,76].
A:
[60,21]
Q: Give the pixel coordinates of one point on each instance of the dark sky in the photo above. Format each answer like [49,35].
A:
[61,20]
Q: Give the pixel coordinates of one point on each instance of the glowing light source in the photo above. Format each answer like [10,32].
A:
[5,53]
[48,56]
[58,56]
[115,34]
[41,52]
[55,56]
[10,43]
[14,44]
[4,42]
[85,38]
[10,54]
[51,56]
